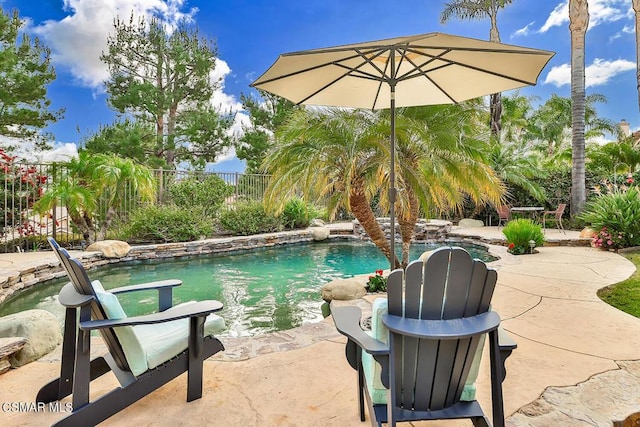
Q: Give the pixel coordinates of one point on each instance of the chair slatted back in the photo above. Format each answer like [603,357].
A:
[431,374]
[82,284]
[504,212]
[560,210]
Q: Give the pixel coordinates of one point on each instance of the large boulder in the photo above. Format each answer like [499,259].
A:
[39,327]
[110,248]
[320,233]
[343,289]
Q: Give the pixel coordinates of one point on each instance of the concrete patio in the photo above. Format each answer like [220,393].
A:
[577,362]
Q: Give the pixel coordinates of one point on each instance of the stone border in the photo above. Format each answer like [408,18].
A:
[17,281]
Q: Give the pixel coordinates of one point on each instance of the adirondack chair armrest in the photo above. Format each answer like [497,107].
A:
[160,284]
[505,342]
[347,322]
[70,298]
[164,288]
[506,345]
[443,329]
[197,309]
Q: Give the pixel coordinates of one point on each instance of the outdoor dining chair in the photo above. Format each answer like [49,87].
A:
[504,214]
[556,215]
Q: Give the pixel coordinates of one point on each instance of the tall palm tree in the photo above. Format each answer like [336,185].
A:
[479,9]
[636,9]
[94,178]
[517,110]
[578,23]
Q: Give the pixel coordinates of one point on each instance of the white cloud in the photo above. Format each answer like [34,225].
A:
[78,39]
[62,152]
[600,11]
[523,31]
[599,73]
[557,17]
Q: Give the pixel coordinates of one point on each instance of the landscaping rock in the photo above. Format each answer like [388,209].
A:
[468,222]
[343,289]
[9,346]
[317,222]
[41,330]
[320,233]
[587,233]
[110,248]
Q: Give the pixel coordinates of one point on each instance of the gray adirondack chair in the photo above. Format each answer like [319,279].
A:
[420,360]
[145,352]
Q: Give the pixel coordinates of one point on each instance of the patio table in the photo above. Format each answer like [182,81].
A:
[532,212]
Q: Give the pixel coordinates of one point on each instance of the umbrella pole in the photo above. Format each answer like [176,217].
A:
[392,178]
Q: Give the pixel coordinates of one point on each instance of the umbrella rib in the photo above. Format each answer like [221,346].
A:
[449,62]
[324,65]
[350,71]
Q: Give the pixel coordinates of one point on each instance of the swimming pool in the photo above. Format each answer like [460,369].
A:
[263,290]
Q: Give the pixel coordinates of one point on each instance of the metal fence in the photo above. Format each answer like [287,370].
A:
[21,228]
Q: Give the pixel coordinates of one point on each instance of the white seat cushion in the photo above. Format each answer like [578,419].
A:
[147,346]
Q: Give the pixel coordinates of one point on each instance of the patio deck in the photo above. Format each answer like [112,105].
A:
[577,362]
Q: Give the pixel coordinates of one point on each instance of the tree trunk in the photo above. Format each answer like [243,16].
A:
[108,219]
[361,209]
[495,100]
[80,221]
[579,21]
[636,9]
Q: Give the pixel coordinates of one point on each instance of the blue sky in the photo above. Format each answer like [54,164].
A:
[250,34]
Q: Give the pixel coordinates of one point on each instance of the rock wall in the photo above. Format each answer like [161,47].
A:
[16,281]
[434,230]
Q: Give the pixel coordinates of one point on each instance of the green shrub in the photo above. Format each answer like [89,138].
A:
[167,223]
[208,193]
[615,214]
[519,232]
[247,218]
[297,213]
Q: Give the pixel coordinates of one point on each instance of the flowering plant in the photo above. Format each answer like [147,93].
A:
[377,283]
[608,239]
[516,250]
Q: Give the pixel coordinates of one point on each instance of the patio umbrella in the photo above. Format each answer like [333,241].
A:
[424,69]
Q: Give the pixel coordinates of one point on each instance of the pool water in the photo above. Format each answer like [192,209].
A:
[263,290]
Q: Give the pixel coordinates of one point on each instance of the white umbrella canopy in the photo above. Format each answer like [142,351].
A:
[426,69]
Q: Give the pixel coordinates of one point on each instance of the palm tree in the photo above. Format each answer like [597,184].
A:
[343,156]
[330,154]
[94,178]
[516,112]
[636,10]
[440,156]
[578,23]
[479,9]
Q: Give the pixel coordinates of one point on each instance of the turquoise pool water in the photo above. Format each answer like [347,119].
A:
[263,290]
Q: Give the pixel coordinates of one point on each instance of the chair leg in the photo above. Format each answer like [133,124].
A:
[360,385]
[496,380]
[122,397]
[196,360]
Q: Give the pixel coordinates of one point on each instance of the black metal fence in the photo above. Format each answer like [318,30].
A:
[21,228]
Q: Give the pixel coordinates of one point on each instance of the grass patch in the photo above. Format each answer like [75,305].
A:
[625,295]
